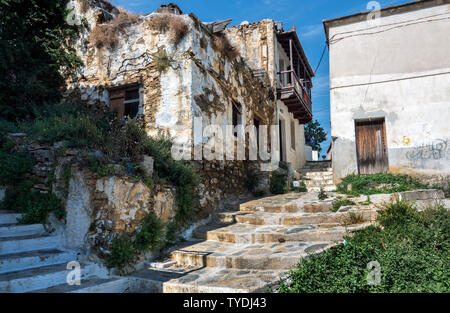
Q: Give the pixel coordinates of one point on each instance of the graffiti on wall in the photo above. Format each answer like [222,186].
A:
[436,150]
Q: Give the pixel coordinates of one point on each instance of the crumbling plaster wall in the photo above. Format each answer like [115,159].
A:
[401,73]
[200,82]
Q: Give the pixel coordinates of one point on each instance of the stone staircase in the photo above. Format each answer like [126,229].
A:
[318,175]
[31,260]
[250,249]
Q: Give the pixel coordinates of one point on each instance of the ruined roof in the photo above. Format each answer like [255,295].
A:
[169,8]
[284,38]
[390,10]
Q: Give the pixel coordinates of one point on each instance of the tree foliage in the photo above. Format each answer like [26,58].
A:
[315,135]
[35,54]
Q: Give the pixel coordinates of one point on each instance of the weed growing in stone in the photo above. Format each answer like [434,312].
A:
[278,183]
[322,194]
[378,184]
[340,202]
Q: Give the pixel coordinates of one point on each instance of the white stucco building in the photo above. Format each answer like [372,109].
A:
[390,91]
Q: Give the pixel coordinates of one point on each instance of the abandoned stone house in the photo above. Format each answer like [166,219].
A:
[168,69]
[389,91]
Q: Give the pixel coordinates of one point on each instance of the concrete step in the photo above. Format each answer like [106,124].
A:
[9,218]
[321,218]
[307,170]
[91,285]
[244,233]
[288,207]
[31,259]
[318,183]
[40,277]
[327,188]
[228,217]
[246,256]
[204,280]
[18,230]
[318,176]
[10,245]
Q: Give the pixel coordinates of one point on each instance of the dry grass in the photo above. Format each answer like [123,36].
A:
[167,22]
[107,34]
[162,61]
[353,218]
[220,43]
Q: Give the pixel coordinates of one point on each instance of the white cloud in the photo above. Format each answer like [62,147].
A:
[310,31]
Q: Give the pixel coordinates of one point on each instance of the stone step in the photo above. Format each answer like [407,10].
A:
[10,245]
[91,285]
[327,188]
[338,218]
[40,277]
[318,183]
[318,176]
[18,230]
[290,207]
[228,217]
[9,218]
[204,280]
[273,256]
[30,259]
[244,233]
[307,170]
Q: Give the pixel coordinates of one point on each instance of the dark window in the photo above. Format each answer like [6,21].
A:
[237,115]
[131,103]
[125,101]
[256,123]
[293,135]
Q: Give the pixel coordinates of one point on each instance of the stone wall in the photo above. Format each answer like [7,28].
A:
[98,208]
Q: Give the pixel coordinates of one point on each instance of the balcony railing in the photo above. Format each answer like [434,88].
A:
[294,93]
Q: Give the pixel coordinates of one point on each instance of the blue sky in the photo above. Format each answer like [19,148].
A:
[306,15]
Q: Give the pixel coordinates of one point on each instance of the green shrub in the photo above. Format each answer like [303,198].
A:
[397,213]
[150,236]
[413,253]
[14,166]
[302,188]
[378,183]
[340,202]
[278,183]
[322,194]
[179,173]
[251,179]
[123,253]
[39,206]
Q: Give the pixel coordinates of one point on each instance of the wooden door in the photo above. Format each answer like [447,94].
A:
[371,147]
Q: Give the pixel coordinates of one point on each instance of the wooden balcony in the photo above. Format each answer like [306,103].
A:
[295,95]
[295,83]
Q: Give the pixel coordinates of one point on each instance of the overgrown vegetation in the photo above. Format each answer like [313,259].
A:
[278,183]
[411,248]
[35,55]
[322,194]
[353,218]
[152,235]
[378,183]
[302,187]
[108,34]
[174,25]
[251,179]
[39,206]
[162,61]
[340,202]
[220,43]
